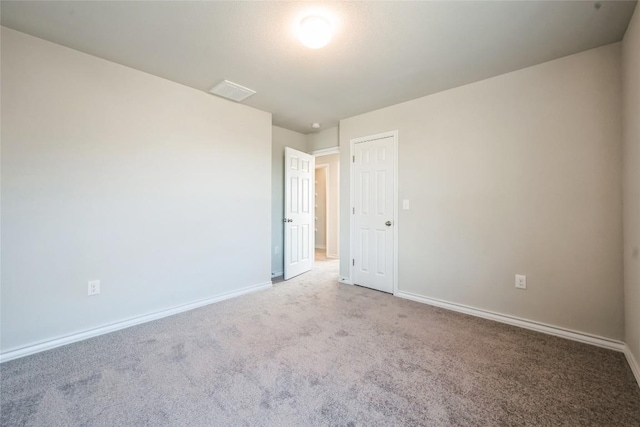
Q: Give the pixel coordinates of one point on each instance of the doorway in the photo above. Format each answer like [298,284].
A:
[311,212]
[321,205]
[327,205]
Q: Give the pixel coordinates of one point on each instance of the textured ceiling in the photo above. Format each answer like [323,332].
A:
[382,53]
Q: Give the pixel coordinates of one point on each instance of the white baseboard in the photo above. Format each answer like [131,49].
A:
[277,274]
[58,342]
[516,321]
[332,255]
[321,247]
[635,368]
[345,280]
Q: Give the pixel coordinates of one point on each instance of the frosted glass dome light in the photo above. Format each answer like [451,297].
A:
[315,31]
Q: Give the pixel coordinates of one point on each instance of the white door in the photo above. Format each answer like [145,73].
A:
[374,213]
[299,169]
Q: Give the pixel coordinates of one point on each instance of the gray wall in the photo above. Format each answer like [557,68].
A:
[281,138]
[327,138]
[517,174]
[160,191]
[631,183]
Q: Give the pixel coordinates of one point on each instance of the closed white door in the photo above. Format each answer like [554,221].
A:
[374,213]
[299,169]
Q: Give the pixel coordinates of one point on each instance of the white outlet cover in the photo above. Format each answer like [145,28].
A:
[521,281]
[405,205]
[94,287]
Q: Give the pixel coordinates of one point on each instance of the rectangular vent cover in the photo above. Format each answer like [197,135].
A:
[233,91]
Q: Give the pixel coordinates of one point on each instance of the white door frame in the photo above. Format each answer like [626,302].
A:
[327,171]
[326,151]
[352,145]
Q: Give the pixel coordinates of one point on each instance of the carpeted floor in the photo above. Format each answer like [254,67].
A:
[315,352]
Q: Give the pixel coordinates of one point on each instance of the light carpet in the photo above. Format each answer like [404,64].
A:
[311,352]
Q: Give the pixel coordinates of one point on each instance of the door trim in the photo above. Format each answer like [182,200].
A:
[325,151]
[352,144]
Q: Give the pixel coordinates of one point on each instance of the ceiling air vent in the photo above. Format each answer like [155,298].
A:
[232,91]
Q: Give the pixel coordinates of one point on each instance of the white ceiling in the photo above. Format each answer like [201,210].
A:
[382,53]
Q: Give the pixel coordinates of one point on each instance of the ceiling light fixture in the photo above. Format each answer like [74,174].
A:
[315,125]
[315,31]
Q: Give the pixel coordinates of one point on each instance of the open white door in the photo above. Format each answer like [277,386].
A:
[299,190]
[374,213]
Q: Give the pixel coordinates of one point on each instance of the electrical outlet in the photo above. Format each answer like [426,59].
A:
[405,205]
[94,287]
[521,281]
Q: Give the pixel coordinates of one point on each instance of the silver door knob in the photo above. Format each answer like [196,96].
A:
[289,220]
[388,223]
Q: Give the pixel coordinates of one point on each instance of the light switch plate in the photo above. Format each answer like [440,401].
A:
[405,205]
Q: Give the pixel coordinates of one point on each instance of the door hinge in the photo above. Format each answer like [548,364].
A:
[353,262]
[354,211]
[354,159]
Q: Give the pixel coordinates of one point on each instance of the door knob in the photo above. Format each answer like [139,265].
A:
[289,220]
[388,223]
